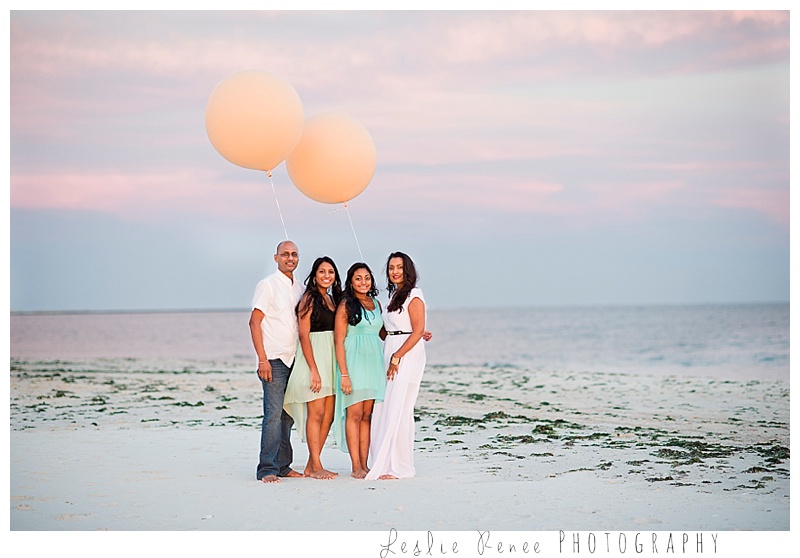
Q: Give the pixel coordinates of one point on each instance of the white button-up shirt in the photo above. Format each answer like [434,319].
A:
[277,296]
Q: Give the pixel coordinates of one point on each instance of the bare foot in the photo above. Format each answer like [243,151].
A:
[270,479]
[292,474]
[321,474]
[359,473]
[387,477]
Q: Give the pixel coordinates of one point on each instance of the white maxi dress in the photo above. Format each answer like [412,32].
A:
[392,431]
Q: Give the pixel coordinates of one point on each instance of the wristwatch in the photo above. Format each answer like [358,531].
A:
[395,360]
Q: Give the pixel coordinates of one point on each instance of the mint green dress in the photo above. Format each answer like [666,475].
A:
[363,352]
[298,388]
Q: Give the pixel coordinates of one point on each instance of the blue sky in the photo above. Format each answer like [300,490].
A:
[524,158]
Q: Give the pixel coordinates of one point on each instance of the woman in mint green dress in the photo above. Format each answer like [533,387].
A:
[309,397]
[361,373]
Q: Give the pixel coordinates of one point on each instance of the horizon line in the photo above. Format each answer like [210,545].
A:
[461,308]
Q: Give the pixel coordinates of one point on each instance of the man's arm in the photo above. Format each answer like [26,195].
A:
[264,368]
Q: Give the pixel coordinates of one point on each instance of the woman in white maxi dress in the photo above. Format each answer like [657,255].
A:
[392,431]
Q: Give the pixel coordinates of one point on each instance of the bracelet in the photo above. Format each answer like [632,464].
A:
[345,375]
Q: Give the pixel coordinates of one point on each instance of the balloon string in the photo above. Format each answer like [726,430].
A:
[354,231]
[269,175]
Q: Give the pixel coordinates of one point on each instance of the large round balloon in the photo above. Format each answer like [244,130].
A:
[254,119]
[335,159]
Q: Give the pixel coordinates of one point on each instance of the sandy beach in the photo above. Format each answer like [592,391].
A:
[497,449]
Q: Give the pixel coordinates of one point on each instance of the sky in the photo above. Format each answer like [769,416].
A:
[524,158]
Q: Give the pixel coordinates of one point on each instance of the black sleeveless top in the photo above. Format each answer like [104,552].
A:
[322,318]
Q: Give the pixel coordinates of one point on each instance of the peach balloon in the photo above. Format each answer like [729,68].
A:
[254,119]
[335,159]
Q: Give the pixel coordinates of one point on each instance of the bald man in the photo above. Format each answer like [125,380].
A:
[273,328]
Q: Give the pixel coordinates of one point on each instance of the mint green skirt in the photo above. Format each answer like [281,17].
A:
[364,357]
[298,389]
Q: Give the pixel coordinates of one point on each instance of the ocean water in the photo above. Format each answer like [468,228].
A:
[742,342]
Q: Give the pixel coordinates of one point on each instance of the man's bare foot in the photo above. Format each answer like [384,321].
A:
[387,477]
[359,473]
[270,479]
[292,474]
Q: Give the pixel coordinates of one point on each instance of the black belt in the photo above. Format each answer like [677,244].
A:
[398,333]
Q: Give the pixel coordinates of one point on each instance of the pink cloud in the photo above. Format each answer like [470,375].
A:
[436,43]
[492,35]
[578,204]
[515,196]
[632,200]
[452,148]
[474,192]
[705,166]
[457,127]
[774,203]
[772,18]
[141,196]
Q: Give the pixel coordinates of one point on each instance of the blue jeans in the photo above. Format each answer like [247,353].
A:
[276,426]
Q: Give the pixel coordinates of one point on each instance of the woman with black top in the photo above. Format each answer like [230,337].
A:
[310,391]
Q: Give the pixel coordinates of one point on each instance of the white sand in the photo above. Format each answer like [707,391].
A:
[498,450]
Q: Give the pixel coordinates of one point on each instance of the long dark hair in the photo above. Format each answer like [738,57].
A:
[312,298]
[399,296]
[351,303]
